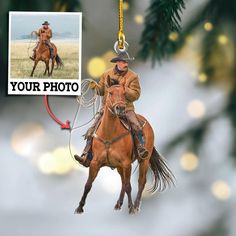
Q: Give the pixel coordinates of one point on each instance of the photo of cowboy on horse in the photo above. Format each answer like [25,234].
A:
[45,34]
[45,45]
[45,50]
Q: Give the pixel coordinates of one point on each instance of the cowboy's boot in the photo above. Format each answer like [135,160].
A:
[86,156]
[139,140]
[51,52]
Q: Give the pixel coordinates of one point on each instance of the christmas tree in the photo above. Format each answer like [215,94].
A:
[215,22]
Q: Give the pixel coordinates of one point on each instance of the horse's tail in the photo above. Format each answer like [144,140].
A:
[59,61]
[163,176]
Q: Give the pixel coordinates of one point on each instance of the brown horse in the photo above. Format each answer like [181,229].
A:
[42,53]
[113,146]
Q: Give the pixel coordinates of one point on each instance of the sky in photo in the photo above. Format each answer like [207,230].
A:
[63,25]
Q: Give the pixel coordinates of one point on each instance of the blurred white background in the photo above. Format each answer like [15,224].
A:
[41,185]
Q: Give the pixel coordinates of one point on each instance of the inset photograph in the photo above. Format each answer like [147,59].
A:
[44,47]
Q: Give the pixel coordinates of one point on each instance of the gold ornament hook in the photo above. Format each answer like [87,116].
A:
[121,40]
[121,35]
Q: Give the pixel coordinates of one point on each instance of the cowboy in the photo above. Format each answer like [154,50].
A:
[130,79]
[44,34]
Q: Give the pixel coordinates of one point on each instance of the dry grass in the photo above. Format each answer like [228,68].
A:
[21,65]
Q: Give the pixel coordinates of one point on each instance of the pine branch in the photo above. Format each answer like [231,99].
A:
[231,111]
[208,51]
[162,19]
[193,135]
[67,5]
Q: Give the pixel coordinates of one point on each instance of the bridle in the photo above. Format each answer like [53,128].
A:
[112,105]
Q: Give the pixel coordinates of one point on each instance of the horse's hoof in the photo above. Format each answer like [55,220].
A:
[79,210]
[117,207]
[137,209]
[132,210]
[137,206]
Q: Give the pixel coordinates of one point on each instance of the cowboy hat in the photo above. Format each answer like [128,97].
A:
[123,56]
[45,23]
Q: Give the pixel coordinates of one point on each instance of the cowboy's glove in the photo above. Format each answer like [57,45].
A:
[92,85]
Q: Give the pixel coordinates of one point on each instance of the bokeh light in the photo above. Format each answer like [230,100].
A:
[202,77]
[189,39]
[46,163]
[57,162]
[189,161]
[96,67]
[208,26]
[139,19]
[173,36]
[26,138]
[196,109]
[222,39]
[221,190]
[125,6]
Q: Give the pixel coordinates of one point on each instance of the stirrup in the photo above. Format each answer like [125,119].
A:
[142,152]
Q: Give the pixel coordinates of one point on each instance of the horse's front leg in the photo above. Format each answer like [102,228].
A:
[128,188]
[143,169]
[35,64]
[46,67]
[93,171]
[122,192]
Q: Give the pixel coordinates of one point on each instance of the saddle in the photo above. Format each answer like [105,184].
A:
[47,43]
[127,125]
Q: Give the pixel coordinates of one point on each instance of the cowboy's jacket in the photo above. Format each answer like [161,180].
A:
[44,34]
[130,80]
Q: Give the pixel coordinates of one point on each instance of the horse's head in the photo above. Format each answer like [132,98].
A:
[115,100]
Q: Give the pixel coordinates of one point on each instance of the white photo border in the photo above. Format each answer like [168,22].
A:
[42,83]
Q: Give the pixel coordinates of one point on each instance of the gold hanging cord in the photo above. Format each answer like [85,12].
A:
[121,35]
